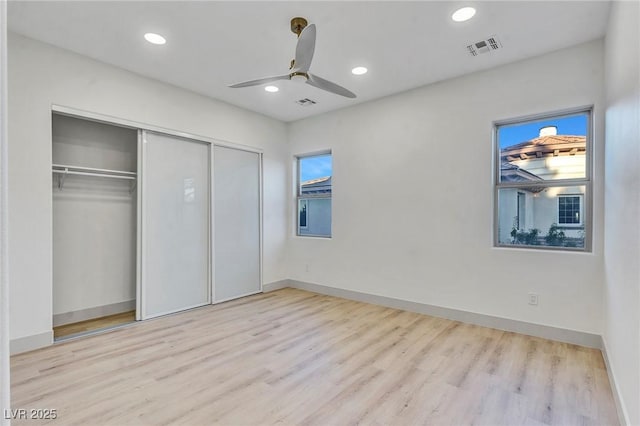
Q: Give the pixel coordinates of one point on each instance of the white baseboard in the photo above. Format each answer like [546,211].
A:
[30,343]
[522,327]
[95,312]
[276,285]
[623,416]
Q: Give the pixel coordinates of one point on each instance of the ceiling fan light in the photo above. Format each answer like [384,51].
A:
[359,70]
[463,14]
[271,89]
[154,38]
[298,78]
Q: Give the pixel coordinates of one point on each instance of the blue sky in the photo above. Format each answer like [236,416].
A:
[513,134]
[315,167]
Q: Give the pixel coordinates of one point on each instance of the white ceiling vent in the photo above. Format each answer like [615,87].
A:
[484,46]
[305,102]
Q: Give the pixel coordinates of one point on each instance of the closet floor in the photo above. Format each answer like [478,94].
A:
[93,324]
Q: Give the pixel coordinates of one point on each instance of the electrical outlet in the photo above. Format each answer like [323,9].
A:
[306,267]
[533,298]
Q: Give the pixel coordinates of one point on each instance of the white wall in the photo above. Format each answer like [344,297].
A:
[622,205]
[5,370]
[94,219]
[413,196]
[41,75]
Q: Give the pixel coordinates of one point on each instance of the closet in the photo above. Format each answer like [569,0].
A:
[150,222]
[176,187]
[94,223]
[237,223]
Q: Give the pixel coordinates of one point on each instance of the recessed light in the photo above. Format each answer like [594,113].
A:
[359,70]
[154,38]
[463,14]
[271,89]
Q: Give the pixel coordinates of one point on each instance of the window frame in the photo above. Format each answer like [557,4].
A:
[586,208]
[300,197]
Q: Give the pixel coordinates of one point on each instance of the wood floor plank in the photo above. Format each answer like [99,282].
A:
[294,357]
[93,324]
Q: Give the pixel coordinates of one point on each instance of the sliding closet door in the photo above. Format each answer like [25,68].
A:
[236,223]
[175,224]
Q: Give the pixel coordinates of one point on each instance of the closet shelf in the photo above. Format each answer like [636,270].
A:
[64,170]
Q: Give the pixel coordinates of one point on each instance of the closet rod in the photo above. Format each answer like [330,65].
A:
[70,172]
[63,171]
[63,167]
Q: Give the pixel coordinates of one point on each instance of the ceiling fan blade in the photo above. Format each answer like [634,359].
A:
[305,48]
[323,84]
[260,81]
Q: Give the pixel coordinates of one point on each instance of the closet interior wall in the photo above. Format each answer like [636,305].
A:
[94,221]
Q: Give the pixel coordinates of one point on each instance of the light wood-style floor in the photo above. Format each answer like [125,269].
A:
[93,324]
[294,357]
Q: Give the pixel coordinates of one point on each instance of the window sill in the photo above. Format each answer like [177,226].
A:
[554,249]
[313,237]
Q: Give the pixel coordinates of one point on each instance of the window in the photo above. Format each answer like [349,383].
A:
[314,195]
[543,171]
[521,214]
[569,210]
[303,214]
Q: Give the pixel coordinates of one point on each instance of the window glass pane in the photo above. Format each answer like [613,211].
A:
[543,150]
[314,195]
[551,216]
[315,174]
[314,217]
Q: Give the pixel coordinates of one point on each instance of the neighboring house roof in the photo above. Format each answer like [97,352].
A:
[512,173]
[551,145]
[537,149]
[316,186]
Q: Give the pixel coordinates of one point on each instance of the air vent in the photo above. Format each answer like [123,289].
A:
[305,102]
[484,46]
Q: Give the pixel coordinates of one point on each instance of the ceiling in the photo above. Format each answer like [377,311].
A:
[212,44]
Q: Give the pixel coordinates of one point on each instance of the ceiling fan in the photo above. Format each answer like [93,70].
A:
[299,68]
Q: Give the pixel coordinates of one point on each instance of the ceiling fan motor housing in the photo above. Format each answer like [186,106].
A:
[298,24]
